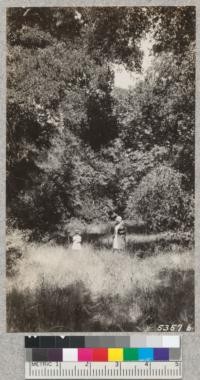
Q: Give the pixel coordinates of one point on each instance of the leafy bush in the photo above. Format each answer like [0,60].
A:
[161,201]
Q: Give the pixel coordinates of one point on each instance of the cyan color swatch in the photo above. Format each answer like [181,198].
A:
[145,354]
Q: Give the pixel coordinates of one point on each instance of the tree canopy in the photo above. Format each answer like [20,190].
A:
[77,146]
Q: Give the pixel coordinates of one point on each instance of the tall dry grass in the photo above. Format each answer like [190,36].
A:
[57,289]
[101,271]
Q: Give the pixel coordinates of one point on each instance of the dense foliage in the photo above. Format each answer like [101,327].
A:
[77,147]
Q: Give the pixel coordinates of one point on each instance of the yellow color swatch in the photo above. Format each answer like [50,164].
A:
[115,354]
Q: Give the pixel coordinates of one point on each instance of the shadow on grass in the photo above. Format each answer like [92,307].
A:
[73,309]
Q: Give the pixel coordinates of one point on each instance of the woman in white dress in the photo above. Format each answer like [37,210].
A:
[119,238]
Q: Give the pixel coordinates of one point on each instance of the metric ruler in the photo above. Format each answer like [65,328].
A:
[155,357]
[111,370]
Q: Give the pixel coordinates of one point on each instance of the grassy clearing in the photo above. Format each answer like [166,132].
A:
[56,289]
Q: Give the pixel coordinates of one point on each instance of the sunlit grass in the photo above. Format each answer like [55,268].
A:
[102,271]
[57,289]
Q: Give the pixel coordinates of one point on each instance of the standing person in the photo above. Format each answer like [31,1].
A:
[76,241]
[119,239]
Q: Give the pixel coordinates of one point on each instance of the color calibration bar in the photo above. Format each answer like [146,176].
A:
[102,354]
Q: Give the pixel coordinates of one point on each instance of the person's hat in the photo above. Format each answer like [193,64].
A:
[118,219]
[77,232]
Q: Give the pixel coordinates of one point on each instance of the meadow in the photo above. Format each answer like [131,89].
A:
[52,288]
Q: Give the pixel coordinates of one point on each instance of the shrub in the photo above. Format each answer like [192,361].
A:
[160,200]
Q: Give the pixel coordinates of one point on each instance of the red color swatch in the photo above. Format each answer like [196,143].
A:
[100,354]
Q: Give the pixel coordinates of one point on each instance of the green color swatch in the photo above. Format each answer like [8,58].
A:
[131,354]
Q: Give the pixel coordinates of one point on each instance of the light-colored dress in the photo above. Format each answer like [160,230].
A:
[76,242]
[119,241]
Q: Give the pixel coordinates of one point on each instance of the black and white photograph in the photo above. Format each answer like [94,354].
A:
[100,169]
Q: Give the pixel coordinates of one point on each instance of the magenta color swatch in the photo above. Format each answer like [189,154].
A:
[85,354]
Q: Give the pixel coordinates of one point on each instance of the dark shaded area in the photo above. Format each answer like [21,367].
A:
[73,309]
[172,301]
